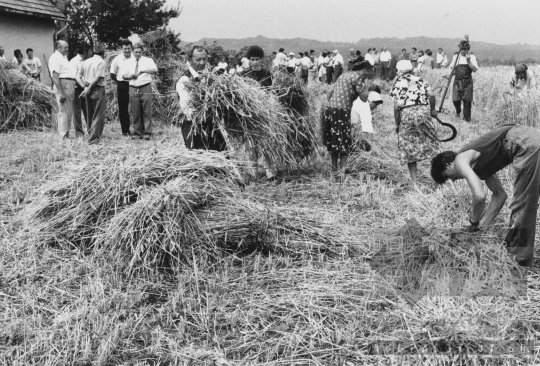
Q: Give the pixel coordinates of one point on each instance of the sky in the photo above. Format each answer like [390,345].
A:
[493,21]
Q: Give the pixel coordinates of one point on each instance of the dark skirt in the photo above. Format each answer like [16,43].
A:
[210,139]
[337,130]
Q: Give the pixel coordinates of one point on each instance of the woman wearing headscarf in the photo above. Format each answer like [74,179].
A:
[208,137]
[337,115]
[414,105]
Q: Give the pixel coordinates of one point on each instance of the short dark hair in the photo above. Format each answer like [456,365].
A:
[421,52]
[414,48]
[324,54]
[440,49]
[301,54]
[375,88]
[311,51]
[197,48]
[362,65]
[83,47]
[429,53]
[255,51]
[358,52]
[274,53]
[17,53]
[138,45]
[404,50]
[439,164]
[127,42]
[369,49]
[29,50]
[281,49]
[99,49]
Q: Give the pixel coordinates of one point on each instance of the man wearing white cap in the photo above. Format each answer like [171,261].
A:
[291,63]
[338,65]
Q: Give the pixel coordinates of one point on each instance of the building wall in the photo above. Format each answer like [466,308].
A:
[22,32]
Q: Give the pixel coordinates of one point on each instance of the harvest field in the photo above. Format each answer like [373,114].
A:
[143,253]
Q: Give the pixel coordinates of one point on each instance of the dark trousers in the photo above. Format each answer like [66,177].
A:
[206,138]
[523,144]
[338,70]
[141,109]
[329,74]
[79,105]
[96,102]
[463,91]
[467,109]
[123,105]
[385,70]
[376,70]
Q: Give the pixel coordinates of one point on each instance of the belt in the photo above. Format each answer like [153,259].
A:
[139,87]
[72,79]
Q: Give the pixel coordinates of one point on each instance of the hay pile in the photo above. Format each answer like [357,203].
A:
[250,116]
[24,102]
[294,95]
[163,209]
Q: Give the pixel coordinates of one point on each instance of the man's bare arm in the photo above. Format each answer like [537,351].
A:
[463,167]
[498,199]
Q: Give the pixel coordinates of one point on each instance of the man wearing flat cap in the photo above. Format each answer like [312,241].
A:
[463,82]
[522,79]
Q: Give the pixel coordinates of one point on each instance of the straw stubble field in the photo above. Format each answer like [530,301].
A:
[133,253]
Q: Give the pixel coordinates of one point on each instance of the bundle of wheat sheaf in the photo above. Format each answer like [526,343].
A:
[250,116]
[24,102]
[159,208]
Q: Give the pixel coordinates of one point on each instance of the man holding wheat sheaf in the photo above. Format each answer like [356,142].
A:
[481,160]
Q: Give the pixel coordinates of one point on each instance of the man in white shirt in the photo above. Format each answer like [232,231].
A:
[2,57]
[386,58]
[84,52]
[282,59]
[63,77]
[306,65]
[119,67]
[338,65]
[91,76]
[440,58]
[140,79]
[463,81]
[34,64]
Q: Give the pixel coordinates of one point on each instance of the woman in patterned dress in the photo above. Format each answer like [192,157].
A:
[417,137]
[337,115]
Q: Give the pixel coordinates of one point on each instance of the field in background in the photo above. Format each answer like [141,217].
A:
[59,305]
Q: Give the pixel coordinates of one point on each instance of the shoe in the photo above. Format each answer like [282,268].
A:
[147,137]
[126,133]
[136,137]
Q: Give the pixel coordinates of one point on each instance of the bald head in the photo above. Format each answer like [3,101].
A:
[62,47]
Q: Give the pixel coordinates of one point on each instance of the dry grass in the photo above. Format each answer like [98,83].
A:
[24,102]
[334,278]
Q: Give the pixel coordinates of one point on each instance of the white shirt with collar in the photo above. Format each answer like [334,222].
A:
[386,56]
[76,63]
[3,58]
[59,63]
[145,63]
[306,61]
[120,66]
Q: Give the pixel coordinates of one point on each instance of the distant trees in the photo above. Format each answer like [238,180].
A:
[111,21]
